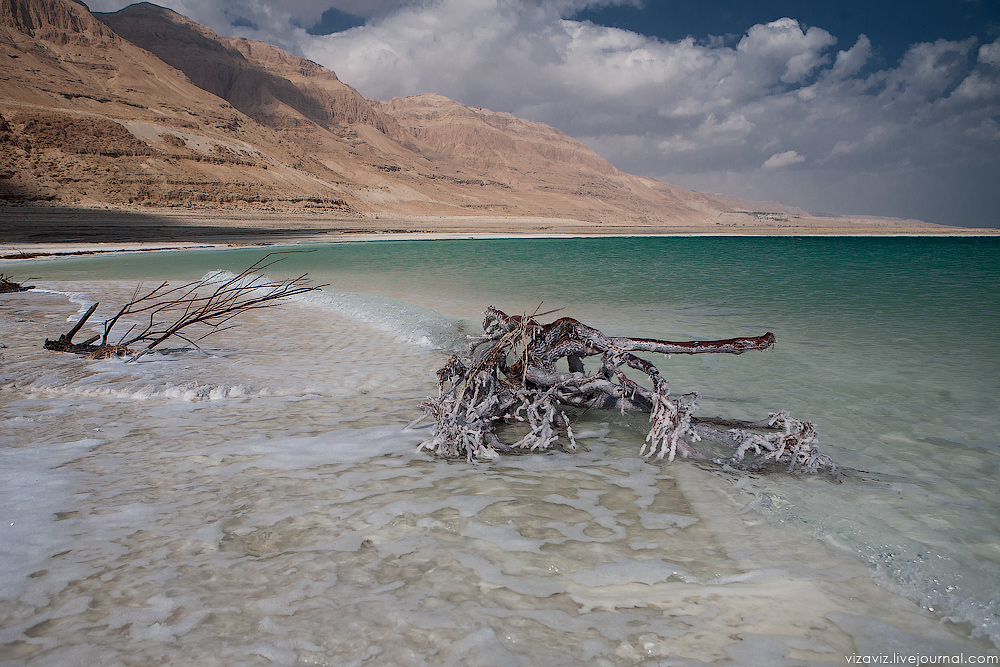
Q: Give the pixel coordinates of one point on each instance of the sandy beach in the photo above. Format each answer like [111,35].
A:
[31,231]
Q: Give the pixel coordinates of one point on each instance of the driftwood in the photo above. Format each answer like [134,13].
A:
[7,284]
[510,377]
[203,306]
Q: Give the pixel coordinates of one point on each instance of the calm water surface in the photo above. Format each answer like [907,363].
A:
[258,502]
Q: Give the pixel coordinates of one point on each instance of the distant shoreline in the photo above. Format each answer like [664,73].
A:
[41,231]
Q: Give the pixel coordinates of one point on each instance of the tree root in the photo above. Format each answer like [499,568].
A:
[510,377]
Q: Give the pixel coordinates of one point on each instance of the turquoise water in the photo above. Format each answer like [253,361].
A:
[887,344]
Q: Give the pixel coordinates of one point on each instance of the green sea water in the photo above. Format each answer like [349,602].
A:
[906,324]
[889,345]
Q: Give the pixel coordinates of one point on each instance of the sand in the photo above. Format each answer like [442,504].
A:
[31,231]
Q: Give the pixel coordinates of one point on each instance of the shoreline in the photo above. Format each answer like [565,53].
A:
[37,231]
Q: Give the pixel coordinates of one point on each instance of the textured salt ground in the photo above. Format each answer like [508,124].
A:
[255,504]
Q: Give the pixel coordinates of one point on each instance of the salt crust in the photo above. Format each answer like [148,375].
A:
[251,528]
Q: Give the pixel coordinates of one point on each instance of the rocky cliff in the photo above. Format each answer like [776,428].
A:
[89,118]
[146,107]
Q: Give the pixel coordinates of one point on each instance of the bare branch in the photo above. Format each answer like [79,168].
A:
[209,303]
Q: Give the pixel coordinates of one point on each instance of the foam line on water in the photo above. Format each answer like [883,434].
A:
[406,322]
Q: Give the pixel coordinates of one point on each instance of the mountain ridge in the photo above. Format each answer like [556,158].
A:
[145,107]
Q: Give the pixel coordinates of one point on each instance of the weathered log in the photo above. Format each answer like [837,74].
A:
[511,377]
[65,342]
[8,284]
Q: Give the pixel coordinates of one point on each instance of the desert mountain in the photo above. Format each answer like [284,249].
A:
[146,107]
[260,80]
[90,118]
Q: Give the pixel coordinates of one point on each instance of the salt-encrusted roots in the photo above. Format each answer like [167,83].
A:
[510,377]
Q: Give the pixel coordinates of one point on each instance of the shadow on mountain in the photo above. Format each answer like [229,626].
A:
[59,224]
[219,67]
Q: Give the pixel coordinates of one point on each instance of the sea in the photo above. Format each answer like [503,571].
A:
[259,498]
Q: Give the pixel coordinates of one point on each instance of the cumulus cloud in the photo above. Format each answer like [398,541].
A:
[779,160]
[916,139]
[781,51]
[850,62]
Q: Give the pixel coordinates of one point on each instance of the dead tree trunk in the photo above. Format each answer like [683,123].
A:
[510,376]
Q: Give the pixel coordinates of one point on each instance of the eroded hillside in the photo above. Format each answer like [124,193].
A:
[145,107]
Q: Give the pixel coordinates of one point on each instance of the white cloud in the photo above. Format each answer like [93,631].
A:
[983,83]
[927,72]
[701,114]
[989,54]
[843,147]
[729,131]
[781,51]
[851,61]
[779,160]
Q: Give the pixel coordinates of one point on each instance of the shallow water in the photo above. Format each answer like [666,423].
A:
[259,502]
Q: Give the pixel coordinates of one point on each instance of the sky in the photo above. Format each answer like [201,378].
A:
[836,106]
